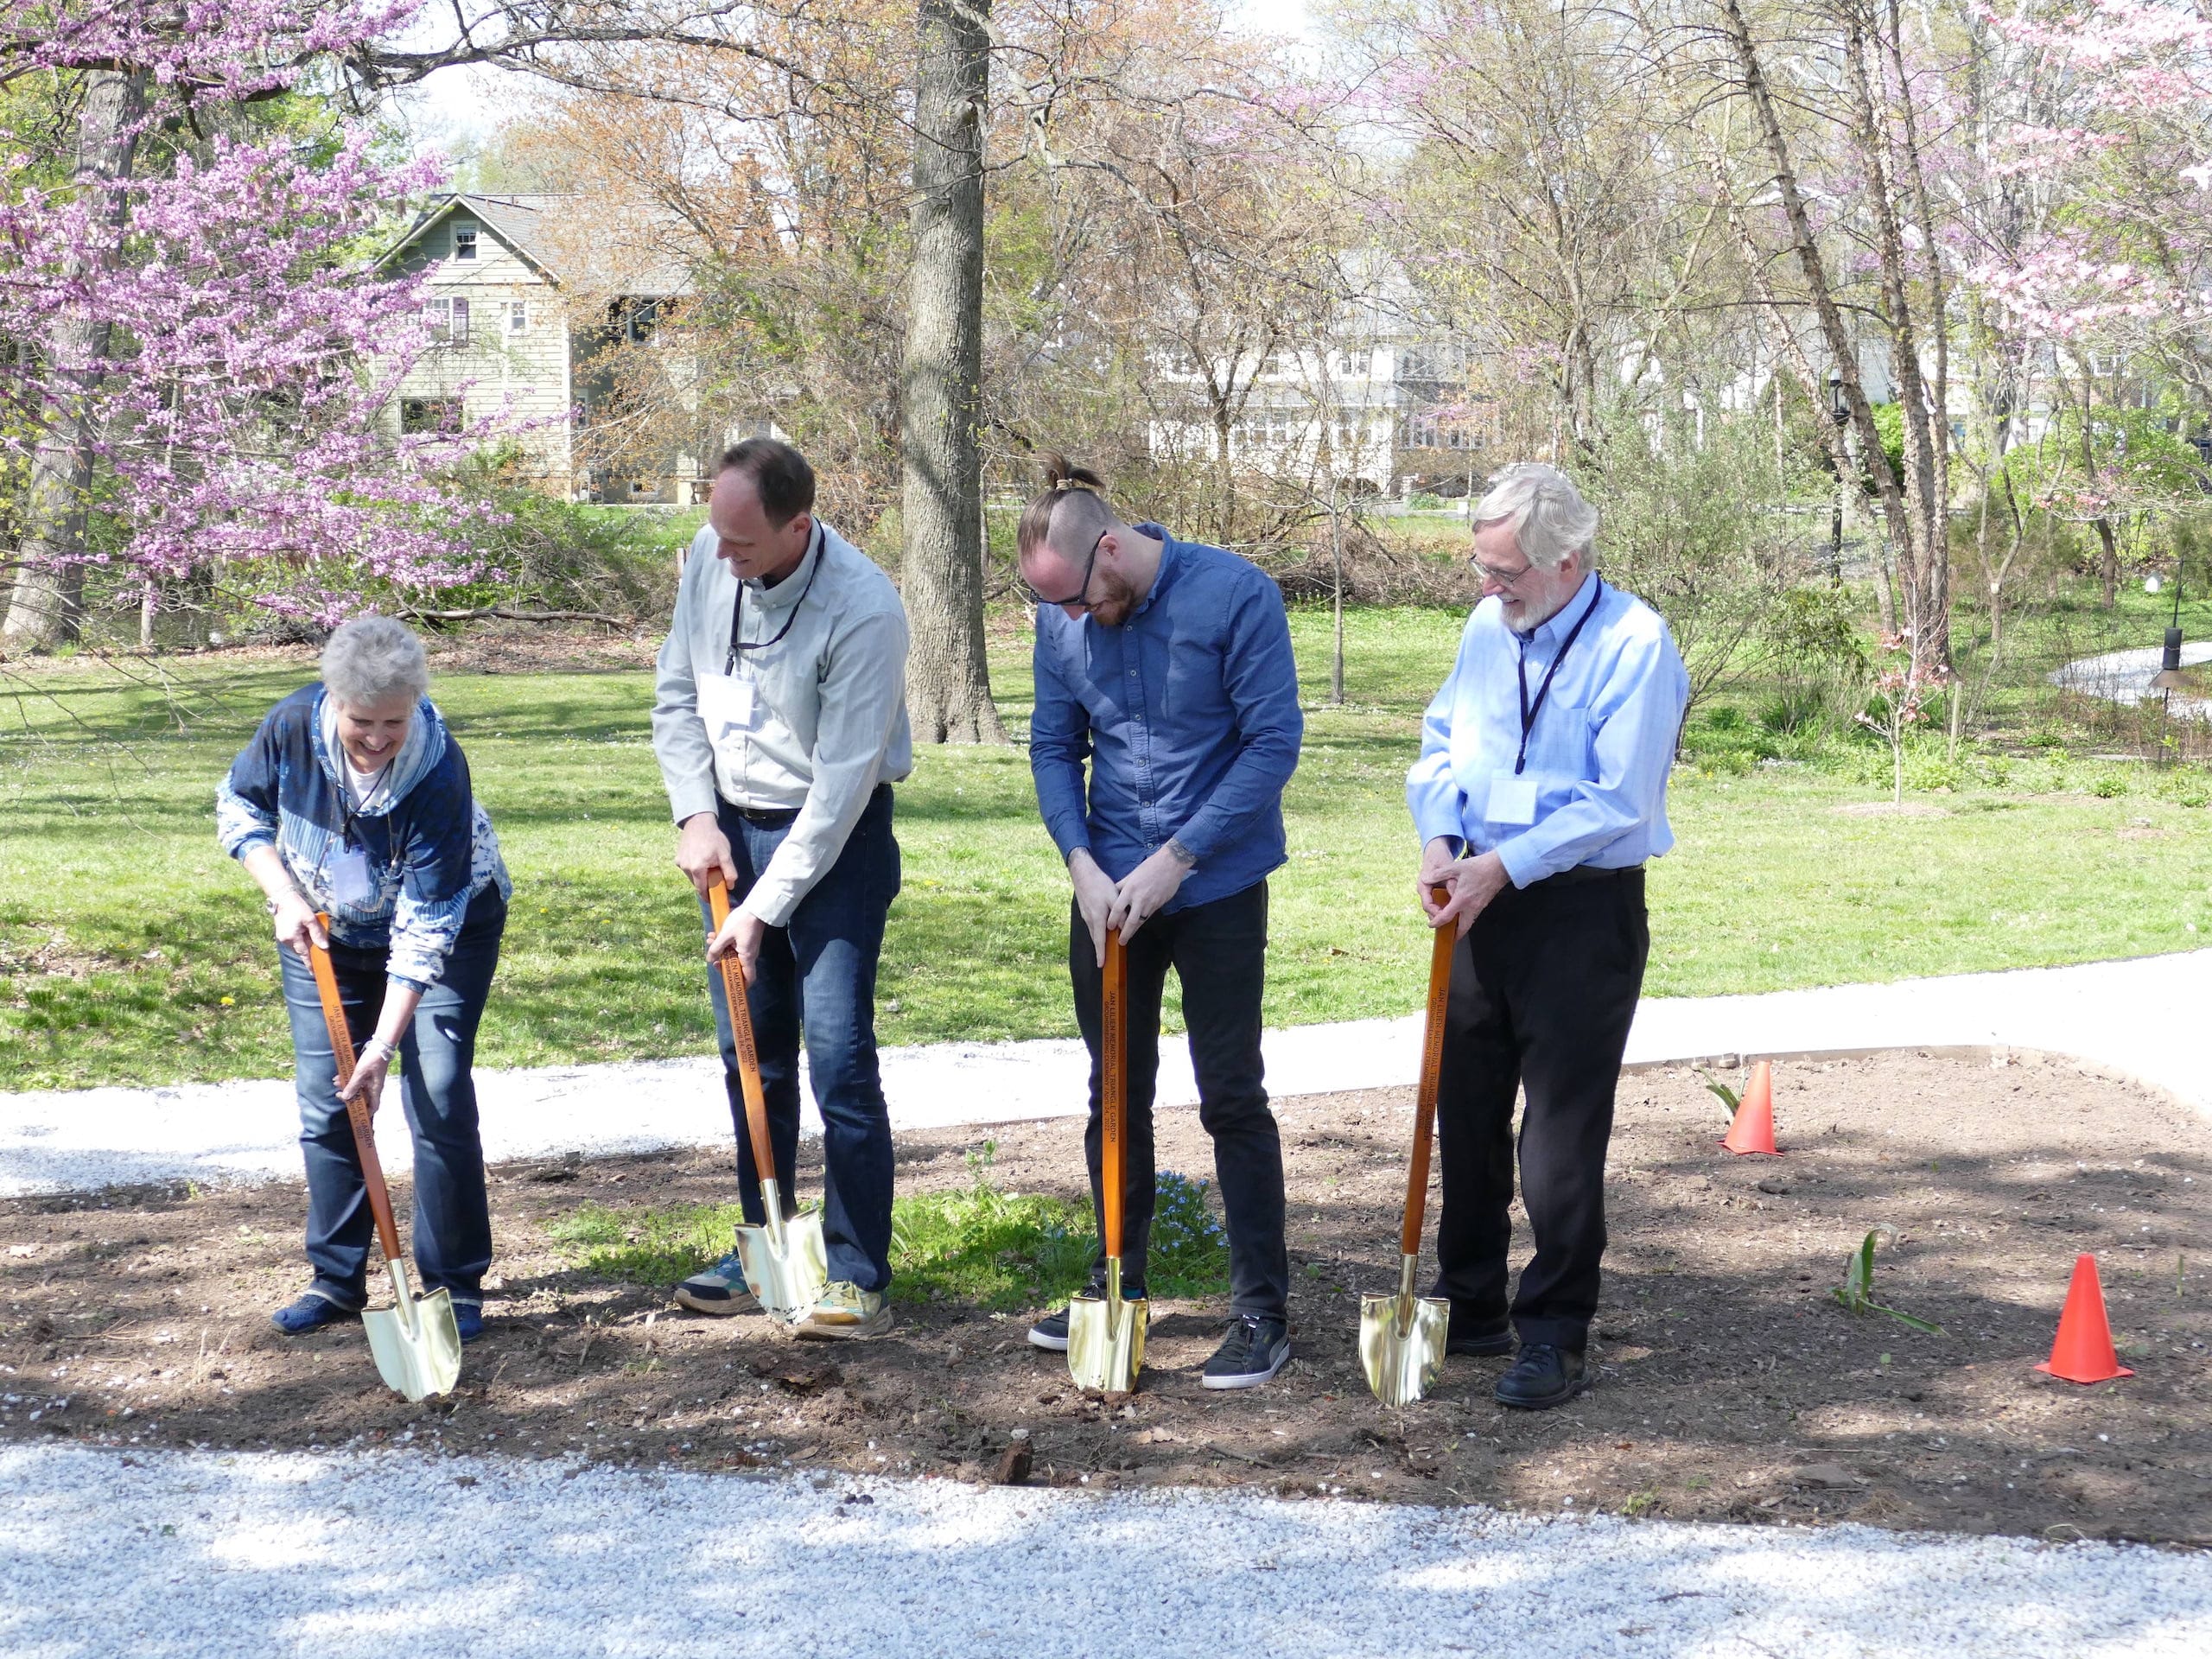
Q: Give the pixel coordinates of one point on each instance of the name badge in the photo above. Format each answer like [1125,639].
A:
[352,884]
[728,705]
[1512,800]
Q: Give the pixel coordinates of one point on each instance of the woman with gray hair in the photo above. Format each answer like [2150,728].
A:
[353,801]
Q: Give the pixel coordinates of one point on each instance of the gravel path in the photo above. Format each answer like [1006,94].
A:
[338,1554]
[2141,1017]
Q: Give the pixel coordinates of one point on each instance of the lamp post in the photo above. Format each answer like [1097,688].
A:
[1840,414]
[2169,678]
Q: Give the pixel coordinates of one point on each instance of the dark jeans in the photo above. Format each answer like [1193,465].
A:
[1544,988]
[453,1218]
[817,974]
[1218,950]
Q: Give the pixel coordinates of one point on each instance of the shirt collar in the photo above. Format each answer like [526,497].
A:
[1170,561]
[785,593]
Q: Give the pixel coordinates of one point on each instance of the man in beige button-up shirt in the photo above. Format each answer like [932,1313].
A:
[779,720]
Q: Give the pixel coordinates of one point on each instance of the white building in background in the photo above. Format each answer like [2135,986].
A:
[1368,416]
[525,293]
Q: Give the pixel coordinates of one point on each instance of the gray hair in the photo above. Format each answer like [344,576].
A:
[1550,519]
[375,659]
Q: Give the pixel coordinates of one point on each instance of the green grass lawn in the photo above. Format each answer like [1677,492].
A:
[131,951]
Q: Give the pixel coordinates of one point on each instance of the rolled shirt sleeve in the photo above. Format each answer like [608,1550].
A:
[863,697]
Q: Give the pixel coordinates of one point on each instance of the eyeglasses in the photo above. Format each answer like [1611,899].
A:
[1081,594]
[1503,578]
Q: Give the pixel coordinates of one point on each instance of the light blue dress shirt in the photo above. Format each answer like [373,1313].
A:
[1598,750]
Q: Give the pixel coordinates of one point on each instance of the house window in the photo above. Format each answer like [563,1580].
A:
[464,238]
[449,319]
[418,415]
[517,315]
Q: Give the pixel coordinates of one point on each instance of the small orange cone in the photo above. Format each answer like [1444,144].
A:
[1753,1130]
[2083,1352]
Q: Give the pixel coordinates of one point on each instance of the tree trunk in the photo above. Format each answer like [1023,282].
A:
[940,383]
[1336,602]
[47,606]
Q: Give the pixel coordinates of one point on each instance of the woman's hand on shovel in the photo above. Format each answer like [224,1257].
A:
[372,1065]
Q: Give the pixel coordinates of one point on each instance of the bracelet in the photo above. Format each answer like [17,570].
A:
[375,1048]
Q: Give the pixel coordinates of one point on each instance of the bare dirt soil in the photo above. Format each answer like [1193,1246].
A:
[1729,1383]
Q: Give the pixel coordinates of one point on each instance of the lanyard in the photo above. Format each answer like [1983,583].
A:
[737,617]
[1531,710]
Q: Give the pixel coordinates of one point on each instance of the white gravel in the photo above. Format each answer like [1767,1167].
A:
[2141,1017]
[338,1554]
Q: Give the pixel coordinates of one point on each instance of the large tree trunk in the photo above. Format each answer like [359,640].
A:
[940,383]
[47,606]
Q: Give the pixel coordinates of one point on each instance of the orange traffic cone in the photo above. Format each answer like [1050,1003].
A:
[1753,1130]
[2083,1352]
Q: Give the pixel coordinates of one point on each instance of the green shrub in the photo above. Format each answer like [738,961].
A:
[2109,786]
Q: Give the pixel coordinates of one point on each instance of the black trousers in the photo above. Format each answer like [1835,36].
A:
[1544,988]
[1218,950]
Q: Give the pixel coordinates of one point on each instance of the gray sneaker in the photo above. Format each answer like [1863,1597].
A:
[719,1290]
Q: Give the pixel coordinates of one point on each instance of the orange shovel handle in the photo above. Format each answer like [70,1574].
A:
[1114,1065]
[748,1057]
[356,1109]
[1432,1069]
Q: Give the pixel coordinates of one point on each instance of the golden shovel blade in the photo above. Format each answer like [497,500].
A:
[1401,1344]
[1106,1340]
[417,1344]
[787,1273]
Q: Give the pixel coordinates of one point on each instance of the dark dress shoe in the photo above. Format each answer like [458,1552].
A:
[1479,1337]
[1542,1377]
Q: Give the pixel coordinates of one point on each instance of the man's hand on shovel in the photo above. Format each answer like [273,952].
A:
[742,933]
[1094,897]
[703,853]
[1472,883]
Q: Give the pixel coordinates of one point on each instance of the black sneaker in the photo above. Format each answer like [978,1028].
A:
[1253,1351]
[1051,1330]
[1542,1377]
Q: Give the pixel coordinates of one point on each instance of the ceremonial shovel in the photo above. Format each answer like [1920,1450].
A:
[786,1264]
[1401,1337]
[417,1344]
[1106,1333]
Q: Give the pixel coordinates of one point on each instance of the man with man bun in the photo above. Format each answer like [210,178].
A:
[1165,665]
[1540,793]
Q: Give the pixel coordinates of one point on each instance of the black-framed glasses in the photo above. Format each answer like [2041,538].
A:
[1081,594]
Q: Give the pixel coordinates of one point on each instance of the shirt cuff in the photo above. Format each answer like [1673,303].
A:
[693,798]
[771,900]
[1525,860]
[1430,822]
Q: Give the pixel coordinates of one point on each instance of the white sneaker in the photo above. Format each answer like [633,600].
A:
[719,1290]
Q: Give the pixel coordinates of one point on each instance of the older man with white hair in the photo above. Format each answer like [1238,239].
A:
[1540,793]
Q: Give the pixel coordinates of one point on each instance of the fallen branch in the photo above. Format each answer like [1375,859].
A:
[510,614]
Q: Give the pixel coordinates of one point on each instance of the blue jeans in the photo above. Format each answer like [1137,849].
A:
[817,976]
[453,1217]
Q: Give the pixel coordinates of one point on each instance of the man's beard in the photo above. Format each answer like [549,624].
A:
[1120,601]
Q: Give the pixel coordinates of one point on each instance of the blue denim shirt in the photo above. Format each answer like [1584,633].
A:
[1599,752]
[1188,716]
